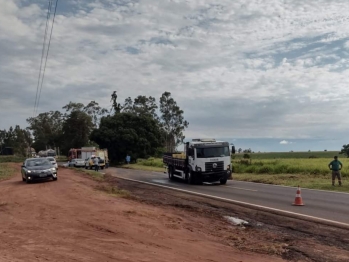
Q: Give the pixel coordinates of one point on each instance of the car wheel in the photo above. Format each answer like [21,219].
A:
[55,178]
[27,181]
[23,179]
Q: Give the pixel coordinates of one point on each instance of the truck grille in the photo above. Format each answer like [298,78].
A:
[209,166]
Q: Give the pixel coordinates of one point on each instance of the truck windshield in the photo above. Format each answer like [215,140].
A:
[212,152]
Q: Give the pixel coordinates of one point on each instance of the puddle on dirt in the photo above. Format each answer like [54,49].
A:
[236,221]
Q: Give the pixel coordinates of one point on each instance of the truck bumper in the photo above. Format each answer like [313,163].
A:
[214,177]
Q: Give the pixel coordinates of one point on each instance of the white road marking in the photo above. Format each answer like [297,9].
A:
[270,209]
[242,188]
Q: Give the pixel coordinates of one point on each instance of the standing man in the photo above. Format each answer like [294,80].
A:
[96,163]
[128,159]
[336,166]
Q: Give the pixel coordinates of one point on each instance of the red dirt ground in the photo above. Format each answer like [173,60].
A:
[70,220]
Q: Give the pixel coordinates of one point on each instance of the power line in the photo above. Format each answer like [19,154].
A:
[48,49]
[42,54]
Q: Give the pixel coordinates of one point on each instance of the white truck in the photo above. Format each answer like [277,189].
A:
[203,160]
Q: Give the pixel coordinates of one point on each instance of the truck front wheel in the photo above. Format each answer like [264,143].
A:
[223,181]
[191,178]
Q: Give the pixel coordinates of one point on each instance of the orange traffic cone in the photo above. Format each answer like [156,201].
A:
[298,200]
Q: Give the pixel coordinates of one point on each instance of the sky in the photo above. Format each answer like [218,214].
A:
[271,75]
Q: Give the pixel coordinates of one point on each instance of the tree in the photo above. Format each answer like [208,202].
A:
[345,150]
[116,107]
[240,150]
[73,107]
[128,106]
[76,130]
[127,133]
[95,111]
[92,109]
[46,129]
[172,121]
[17,138]
[141,106]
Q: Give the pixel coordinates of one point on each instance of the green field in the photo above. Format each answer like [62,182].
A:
[283,155]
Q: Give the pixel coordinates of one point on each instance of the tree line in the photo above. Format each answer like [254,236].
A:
[141,127]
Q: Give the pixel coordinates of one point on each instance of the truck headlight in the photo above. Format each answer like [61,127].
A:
[53,169]
[228,167]
[29,171]
[198,169]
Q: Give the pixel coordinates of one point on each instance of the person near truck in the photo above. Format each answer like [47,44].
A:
[96,163]
[336,166]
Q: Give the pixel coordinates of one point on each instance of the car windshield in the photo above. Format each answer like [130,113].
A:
[212,152]
[37,162]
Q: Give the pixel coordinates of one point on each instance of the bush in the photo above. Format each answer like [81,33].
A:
[265,170]
[280,169]
[246,156]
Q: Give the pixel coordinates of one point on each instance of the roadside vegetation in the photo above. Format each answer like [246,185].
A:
[104,186]
[11,159]
[6,171]
[304,170]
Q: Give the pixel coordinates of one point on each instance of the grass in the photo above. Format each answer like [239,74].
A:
[97,176]
[11,159]
[314,166]
[143,167]
[284,155]
[6,171]
[114,191]
[107,188]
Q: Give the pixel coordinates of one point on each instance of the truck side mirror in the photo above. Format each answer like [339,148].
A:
[233,150]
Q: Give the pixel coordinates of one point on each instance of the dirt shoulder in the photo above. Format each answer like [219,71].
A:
[71,220]
[291,239]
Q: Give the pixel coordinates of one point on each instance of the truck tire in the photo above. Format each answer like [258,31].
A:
[170,173]
[191,178]
[223,181]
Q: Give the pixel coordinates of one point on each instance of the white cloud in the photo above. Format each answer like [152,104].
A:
[257,69]
[285,142]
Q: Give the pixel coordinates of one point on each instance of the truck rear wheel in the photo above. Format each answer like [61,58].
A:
[170,173]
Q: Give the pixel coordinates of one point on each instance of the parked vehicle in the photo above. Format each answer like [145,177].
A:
[89,162]
[87,152]
[38,169]
[46,153]
[53,161]
[77,162]
[203,160]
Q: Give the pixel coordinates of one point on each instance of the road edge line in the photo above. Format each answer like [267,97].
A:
[276,211]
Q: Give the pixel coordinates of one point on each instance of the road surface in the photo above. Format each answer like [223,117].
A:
[327,205]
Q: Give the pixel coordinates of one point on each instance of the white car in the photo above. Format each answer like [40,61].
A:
[53,161]
[77,162]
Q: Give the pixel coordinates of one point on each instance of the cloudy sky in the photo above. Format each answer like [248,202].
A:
[258,70]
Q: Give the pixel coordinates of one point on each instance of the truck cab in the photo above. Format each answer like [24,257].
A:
[204,160]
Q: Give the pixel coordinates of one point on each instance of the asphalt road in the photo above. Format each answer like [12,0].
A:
[321,204]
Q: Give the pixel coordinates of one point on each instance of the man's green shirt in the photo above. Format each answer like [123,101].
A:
[336,164]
